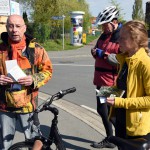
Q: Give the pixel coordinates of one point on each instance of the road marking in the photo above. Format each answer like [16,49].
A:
[73,65]
[89,108]
[75,56]
[88,117]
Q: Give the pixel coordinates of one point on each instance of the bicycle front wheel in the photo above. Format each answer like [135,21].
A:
[22,146]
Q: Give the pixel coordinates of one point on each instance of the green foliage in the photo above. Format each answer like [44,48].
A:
[90,37]
[25,17]
[138,11]
[41,31]
[121,15]
[43,10]
[43,27]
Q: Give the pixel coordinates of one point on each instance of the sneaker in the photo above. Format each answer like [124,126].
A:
[103,144]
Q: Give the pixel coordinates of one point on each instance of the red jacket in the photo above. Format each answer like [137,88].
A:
[105,74]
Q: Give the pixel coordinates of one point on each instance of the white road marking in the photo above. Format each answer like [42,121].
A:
[77,65]
[89,108]
[75,56]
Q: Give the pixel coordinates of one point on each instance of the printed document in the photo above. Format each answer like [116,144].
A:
[14,70]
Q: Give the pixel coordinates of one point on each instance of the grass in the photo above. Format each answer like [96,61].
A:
[57,45]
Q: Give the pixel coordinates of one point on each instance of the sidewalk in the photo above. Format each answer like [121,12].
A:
[78,126]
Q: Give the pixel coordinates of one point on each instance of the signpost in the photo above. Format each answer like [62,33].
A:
[60,18]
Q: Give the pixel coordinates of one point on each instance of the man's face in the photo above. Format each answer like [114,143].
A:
[16,28]
[107,28]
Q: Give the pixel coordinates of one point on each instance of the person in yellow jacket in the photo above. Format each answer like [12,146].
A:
[133,109]
[18,99]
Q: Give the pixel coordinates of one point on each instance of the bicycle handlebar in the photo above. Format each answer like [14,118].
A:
[48,102]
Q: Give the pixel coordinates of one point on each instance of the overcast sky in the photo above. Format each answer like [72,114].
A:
[97,6]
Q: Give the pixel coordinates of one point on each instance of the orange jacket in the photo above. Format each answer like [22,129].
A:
[41,71]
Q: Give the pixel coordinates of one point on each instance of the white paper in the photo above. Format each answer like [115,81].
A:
[102,100]
[10,64]
[14,70]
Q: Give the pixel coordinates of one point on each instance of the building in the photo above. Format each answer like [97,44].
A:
[3,20]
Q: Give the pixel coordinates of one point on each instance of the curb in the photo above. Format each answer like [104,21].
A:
[87,116]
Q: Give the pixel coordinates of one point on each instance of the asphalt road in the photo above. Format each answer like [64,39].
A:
[74,68]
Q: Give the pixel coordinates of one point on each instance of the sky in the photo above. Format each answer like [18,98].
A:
[97,6]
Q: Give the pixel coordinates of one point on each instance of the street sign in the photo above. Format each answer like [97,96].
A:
[57,17]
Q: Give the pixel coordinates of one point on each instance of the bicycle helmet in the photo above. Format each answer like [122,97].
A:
[108,14]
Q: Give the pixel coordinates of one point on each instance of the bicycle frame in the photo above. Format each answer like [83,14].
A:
[54,135]
[47,142]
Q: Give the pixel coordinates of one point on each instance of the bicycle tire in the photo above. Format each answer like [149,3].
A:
[58,140]
[58,144]
[22,146]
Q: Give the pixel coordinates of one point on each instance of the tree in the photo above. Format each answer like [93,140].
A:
[25,17]
[43,10]
[121,15]
[138,11]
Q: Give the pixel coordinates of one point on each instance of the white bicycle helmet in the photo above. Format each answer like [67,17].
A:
[107,15]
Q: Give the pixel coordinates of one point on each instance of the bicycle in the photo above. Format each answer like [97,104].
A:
[130,144]
[54,140]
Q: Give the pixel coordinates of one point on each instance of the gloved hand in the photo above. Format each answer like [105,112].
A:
[100,53]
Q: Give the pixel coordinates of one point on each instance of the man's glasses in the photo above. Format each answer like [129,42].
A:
[12,26]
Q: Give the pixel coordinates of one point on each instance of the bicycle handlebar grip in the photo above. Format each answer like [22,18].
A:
[70,90]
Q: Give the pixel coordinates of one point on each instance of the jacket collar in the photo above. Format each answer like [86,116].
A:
[131,60]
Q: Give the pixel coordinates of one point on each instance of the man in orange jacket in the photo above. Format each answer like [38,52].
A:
[18,99]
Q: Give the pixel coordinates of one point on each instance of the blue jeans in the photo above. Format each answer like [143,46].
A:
[8,127]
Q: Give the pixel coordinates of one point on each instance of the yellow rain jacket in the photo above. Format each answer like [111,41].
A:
[137,103]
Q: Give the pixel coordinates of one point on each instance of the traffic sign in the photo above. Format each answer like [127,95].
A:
[57,17]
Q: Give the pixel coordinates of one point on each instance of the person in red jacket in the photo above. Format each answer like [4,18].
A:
[105,73]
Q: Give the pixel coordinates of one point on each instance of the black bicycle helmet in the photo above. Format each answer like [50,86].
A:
[108,14]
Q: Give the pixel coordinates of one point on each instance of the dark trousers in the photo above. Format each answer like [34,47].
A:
[103,111]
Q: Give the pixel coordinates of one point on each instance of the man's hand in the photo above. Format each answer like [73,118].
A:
[26,81]
[4,80]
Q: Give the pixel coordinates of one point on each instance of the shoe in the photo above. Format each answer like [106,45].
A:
[103,144]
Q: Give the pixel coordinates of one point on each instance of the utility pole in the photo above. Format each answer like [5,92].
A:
[63,30]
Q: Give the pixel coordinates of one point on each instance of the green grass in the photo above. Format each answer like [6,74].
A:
[57,45]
